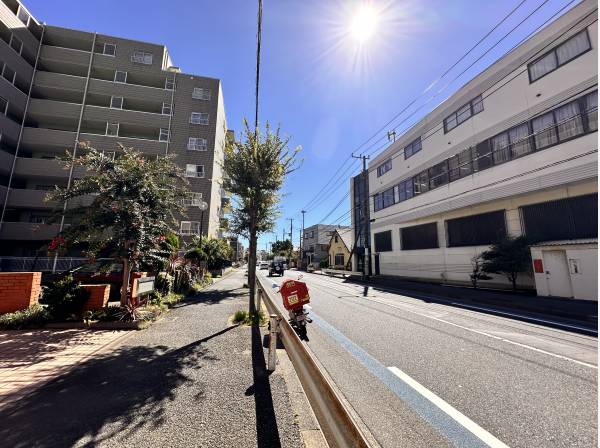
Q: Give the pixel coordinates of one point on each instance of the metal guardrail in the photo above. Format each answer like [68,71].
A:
[339,428]
[341,272]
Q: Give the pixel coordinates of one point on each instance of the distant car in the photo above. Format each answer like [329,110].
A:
[263,265]
[276,267]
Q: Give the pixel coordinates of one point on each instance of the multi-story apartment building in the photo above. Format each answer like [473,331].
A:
[62,86]
[359,218]
[512,152]
[315,244]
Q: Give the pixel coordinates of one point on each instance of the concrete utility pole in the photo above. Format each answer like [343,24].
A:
[365,208]
[291,237]
[302,240]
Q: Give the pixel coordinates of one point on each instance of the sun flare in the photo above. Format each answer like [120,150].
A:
[364,23]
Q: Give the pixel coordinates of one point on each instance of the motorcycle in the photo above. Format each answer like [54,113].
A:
[295,300]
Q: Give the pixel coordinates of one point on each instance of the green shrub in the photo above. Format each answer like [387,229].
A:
[172,298]
[163,283]
[65,298]
[255,319]
[34,316]
[239,316]
[324,263]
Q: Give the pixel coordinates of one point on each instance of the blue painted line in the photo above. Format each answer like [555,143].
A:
[456,434]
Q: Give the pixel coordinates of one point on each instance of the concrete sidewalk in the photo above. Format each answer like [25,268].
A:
[191,379]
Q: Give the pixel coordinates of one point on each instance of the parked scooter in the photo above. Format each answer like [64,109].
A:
[295,300]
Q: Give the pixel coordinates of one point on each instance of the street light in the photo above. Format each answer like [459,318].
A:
[202,206]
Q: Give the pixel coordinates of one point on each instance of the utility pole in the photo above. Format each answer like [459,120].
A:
[291,237]
[365,207]
[302,240]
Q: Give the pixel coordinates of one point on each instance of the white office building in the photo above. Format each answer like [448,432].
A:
[512,152]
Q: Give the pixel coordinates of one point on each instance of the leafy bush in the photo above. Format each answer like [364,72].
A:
[65,298]
[34,316]
[324,263]
[239,316]
[163,283]
[255,319]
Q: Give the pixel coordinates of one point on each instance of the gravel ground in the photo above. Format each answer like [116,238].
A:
[191,379]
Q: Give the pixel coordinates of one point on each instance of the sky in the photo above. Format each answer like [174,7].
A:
[326,90]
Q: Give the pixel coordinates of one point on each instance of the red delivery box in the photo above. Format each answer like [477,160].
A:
[294,294]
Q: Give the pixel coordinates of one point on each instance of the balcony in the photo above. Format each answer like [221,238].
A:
[9,127]
[48,139]
[41,110]
[131,117]
[28,231]
[64,60]
[58,86]
[126,90]
[44,169]
[110,143]
[23,198]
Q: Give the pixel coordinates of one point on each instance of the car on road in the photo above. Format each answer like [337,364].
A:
[276,268]
[263,265]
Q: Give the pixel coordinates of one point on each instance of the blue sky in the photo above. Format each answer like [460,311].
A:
[327,93]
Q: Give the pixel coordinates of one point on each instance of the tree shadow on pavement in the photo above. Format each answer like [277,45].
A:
[212,297]
[108,397]
[27,347]
[267,432]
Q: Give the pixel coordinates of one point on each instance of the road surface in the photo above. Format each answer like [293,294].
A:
[421,374]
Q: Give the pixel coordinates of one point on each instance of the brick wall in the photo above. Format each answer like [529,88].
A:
[98,296]
[19,290]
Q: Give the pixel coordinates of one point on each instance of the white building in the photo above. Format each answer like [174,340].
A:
[512,152]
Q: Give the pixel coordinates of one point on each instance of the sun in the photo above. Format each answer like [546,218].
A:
[364,23]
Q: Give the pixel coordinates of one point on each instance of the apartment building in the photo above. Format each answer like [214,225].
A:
[360,222]
[315,244]
[63,86]
[512,152]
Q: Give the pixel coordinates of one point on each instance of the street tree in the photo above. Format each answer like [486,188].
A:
[282,248]
[255,168]
[212,251]
[134,203]
[509,257]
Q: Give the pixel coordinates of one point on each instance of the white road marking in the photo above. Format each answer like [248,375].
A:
[462,419]
[498,338]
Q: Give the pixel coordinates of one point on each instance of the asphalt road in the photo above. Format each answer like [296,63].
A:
[422,374]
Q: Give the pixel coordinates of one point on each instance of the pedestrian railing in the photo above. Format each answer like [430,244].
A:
[339,428]
[39,264]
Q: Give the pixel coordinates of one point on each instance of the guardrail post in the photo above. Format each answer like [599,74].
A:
[258,297]
[274,324]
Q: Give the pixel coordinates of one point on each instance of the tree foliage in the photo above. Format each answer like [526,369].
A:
[134,202]
[215,252]
[509,257]
[282,248]
[255,168]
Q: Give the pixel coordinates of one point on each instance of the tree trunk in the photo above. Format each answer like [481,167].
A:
[125,284]
[252,271]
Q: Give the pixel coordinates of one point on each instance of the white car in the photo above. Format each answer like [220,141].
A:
[263,265]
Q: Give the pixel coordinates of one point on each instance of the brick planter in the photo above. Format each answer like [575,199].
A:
[98,297]
[19,290]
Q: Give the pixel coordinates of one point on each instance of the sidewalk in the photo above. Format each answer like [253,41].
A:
[191,379]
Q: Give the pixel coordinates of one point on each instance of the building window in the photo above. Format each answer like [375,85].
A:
[544,130]
[120,76]
[141,57]
[194,170]
[413,148]
[339,260]
[423,236]
[163,135]
[383,241]
[3,106]
[23,15]
[166,108]
[16,43]
[9,74]
[388,197]
[201,94]
[109,49]
[199,118]
[476,230]
[564,219]
[463,113]
[384,167]
[170,84]
[460,165]
[197,144]
[189,228]
[116,102]
[421,182]
[336,239]
[112,129]
[438,175]
[193,200]
[590,105]
[569,122]
[559,56]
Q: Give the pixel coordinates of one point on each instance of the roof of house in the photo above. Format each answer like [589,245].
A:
[346,235]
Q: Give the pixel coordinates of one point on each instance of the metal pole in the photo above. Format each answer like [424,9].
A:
[291,238]
[365,204]
[302,240]
[274,324]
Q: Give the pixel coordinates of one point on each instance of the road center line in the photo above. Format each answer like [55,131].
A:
[465,421]
[483,333]
[452,429]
